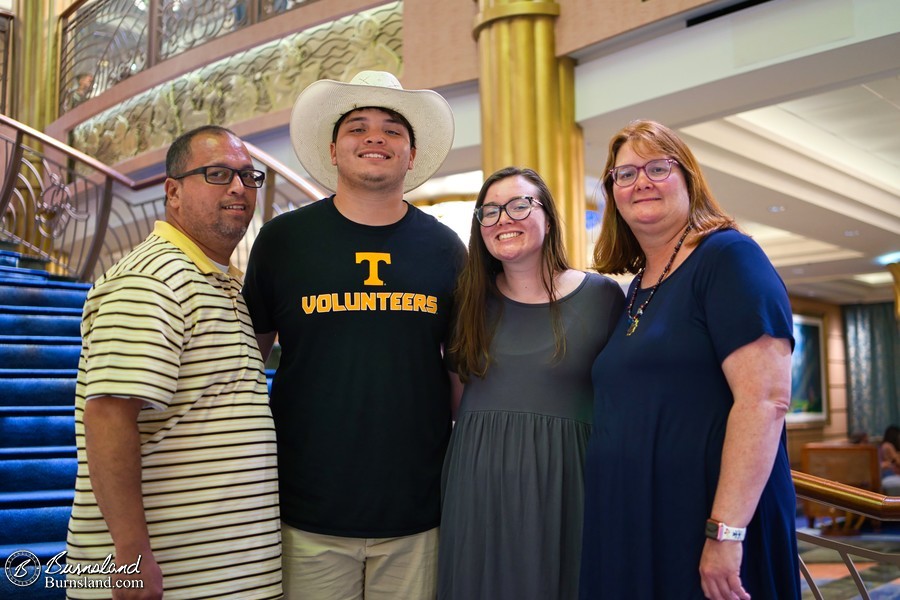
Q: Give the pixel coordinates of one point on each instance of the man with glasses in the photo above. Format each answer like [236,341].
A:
[177,475]
[359,289]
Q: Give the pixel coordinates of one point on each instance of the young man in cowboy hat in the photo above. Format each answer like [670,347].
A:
[358,288]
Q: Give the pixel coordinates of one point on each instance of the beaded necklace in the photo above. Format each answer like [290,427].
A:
[633,319]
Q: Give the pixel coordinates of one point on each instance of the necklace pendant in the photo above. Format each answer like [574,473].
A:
[633,326]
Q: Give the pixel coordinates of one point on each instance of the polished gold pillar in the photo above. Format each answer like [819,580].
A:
[894,268]
[528,105]
[35,97]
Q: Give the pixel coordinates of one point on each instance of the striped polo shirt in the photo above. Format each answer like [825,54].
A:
[167,326]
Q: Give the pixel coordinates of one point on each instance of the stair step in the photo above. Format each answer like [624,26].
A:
[17,273]
[38,340]
[37,391]
[38,373]
[43,452]
[36,499]
[39,590]
[28,526]
[40,325]
[38,411]
[33,474]
[37,431]
[43,293]
[34,352]
[9,259]
[55,311]
[43,550]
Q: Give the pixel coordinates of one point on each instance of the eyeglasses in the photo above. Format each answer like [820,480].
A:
[251,178]
[518,208]
[655,170]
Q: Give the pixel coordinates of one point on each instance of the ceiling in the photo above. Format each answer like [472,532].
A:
[816,181]
[793,110]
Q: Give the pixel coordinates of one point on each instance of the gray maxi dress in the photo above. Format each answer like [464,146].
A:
[513,484]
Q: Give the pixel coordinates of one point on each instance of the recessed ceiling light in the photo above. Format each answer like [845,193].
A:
[881,278]
[886,259]
[775,208]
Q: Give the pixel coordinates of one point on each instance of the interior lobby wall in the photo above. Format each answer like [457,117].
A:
[836,375]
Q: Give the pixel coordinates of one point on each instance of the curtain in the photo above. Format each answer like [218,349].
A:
[872,338]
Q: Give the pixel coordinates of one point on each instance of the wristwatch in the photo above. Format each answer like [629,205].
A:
[722,532]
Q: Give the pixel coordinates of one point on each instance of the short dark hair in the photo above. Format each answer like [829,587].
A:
[393,113]
[179,152]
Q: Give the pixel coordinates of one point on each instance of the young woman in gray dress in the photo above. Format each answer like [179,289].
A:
[527,331]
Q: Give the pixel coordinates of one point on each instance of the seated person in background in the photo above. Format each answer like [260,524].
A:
[890,460]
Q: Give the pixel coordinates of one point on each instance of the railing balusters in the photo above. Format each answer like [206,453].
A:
[87,269]
[71,212]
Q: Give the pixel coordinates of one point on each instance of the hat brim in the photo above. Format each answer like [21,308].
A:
[323,102]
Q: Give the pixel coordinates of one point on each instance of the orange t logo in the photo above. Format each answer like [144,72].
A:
[373,258]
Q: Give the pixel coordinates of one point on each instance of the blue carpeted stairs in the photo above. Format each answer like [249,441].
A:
[40,342]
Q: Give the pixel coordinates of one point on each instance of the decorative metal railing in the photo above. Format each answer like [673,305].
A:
[849,501]
[79,216]
[106,41]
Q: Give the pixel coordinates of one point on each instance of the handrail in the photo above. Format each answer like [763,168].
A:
[846,497]
[66,208]
[312,191]
[276,165]
[79,156]
[851,499]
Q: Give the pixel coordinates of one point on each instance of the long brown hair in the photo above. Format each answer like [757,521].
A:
[617,250]
[472,333]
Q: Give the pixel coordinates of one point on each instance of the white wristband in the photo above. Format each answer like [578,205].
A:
[723,533]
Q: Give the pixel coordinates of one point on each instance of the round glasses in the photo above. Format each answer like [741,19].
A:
[655,170]
[518,208]
[251,178]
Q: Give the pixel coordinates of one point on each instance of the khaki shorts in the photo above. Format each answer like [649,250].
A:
[328,567]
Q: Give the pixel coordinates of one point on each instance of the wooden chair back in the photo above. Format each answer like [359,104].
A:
[851,464]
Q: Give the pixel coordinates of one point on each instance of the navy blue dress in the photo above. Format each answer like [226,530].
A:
[661,407]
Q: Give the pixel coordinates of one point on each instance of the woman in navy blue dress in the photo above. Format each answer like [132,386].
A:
[688,485]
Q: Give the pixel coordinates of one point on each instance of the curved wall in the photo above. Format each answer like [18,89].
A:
[247,79]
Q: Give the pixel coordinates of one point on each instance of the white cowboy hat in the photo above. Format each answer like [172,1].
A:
[323,102]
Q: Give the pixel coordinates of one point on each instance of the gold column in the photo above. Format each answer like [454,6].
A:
[34,80]
[528,105]
[894,268]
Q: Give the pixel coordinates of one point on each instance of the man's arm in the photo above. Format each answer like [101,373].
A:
[265,341]
[113,447]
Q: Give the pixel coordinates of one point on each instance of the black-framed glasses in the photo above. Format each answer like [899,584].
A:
[656,170]
[217,175]
[517,208]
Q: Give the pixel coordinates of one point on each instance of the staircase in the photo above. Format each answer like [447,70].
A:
[40,341]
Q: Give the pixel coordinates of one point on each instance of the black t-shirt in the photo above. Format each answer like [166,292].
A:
[361,395]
